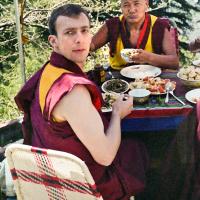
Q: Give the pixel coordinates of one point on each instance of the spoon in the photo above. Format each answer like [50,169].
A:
[111,74]
[172,93]
[169,89]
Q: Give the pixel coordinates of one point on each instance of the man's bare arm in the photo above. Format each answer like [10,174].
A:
[100,38]
[87,124]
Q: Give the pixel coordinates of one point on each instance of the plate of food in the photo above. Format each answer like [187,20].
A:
[109,99]
[140,71]
[196,63]
[155,85]
[193,95]
[115,86]
[127,54]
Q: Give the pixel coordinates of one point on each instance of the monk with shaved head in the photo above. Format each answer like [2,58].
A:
[153,37]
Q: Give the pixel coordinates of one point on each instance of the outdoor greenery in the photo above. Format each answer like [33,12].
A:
[34,16]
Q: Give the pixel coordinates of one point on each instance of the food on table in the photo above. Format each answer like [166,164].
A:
[139,95]
[190,73]
[154,85]
[127,54]
[115,85]
[109,99]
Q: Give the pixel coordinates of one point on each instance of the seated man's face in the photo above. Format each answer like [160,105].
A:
[134,10]
[73,38]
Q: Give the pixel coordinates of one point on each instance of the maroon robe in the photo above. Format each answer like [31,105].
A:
[124,177]
[117,27]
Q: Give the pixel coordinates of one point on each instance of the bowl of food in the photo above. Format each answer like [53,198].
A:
[108,100]
[140,95]
[190,76]
[127,54]
[115,86]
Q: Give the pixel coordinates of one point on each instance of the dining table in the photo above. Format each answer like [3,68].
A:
[156,115]
[169,132]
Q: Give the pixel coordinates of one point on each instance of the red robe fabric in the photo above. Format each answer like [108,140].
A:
[124,177]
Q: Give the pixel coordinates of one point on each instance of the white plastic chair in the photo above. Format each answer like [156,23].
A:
[49,175]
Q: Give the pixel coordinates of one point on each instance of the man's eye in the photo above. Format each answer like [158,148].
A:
[138,3]
[85,31]
[69,32]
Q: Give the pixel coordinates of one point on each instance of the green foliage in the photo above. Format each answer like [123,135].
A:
[10,83]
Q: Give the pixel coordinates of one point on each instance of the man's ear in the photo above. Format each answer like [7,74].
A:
[147,4]
[53,41]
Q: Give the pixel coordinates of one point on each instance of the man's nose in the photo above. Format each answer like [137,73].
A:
[132,8]
[79,37]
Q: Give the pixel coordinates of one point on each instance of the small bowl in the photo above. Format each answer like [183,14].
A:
[127,54]
[189,83]
[140,95]
[115,86]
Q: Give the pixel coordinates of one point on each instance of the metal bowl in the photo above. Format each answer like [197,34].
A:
[189,83]
[140,95]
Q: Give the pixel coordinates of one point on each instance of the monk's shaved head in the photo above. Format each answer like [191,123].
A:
[147,1]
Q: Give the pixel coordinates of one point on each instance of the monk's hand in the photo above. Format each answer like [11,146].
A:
[141,57]
[123,105]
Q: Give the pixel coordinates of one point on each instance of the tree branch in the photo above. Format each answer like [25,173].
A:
[5,24]
[11,54]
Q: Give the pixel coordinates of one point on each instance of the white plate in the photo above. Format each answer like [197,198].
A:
[192,95]
[196,63]
[116,88]
[140,71]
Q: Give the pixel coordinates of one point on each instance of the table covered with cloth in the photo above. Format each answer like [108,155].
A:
[177,175]
[156,115]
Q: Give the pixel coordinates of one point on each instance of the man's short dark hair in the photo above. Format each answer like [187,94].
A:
[68,10]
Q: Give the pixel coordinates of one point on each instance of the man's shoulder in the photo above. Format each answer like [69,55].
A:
[162,22]
[113,20]
[113,25]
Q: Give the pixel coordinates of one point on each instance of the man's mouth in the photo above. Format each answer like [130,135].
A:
[78,50]
[132,17]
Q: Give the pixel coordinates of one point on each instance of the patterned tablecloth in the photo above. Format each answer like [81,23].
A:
[155,115]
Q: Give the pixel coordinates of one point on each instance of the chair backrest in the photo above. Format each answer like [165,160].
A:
[49,175]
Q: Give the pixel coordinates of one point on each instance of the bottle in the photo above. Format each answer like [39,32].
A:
[99,74]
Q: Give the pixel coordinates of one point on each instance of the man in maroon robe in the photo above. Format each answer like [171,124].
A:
[62,111]
[154,39]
